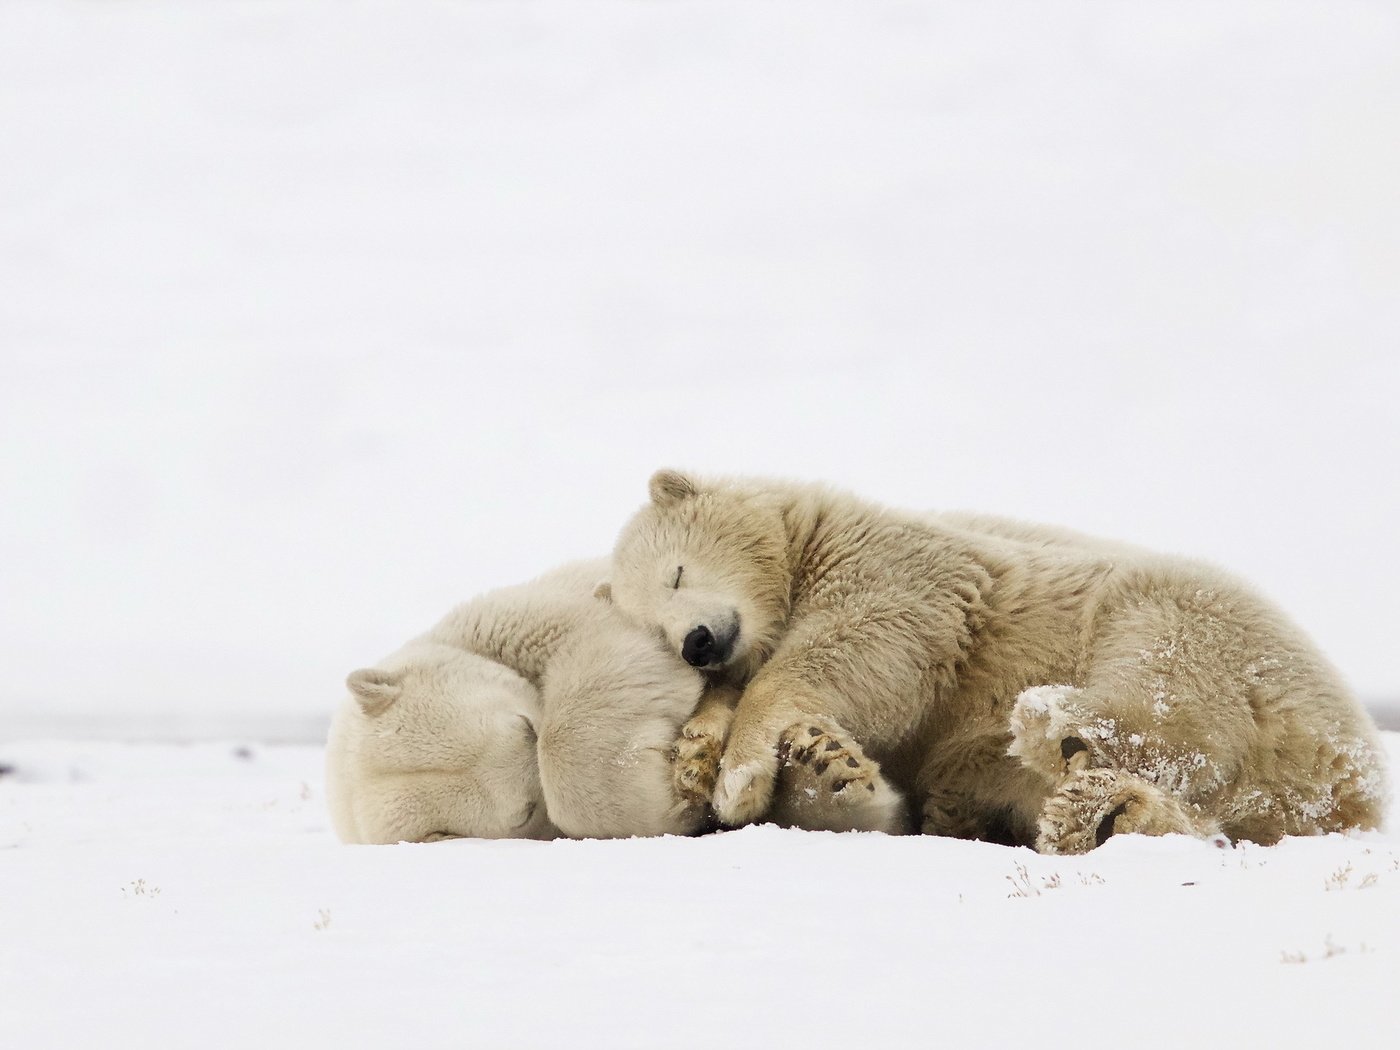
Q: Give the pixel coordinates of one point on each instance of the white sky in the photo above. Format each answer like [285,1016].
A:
[319,318]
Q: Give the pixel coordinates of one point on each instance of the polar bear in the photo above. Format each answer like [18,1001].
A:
[530,712]
[1026,683]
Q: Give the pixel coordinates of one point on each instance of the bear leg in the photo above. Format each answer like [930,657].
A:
[959,816]
[972,790]
[748,772]
[1059,730]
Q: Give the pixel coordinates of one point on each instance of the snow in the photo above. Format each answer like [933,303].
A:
[163,895]
[1041,699]
[319,317]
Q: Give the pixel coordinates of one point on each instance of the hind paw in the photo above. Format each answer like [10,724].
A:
[1093,805]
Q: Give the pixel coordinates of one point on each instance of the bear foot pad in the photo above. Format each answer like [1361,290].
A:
[826,762]
[827,783]
[1093,805]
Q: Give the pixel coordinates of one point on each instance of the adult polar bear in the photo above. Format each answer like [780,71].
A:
[1024,682]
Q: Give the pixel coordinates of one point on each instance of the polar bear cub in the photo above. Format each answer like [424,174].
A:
[530,712]
[1025,683]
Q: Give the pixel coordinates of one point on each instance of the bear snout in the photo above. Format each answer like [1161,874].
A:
[704,647]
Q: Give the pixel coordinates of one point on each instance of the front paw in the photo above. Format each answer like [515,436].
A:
[695,767]
[831,757]
[828,783]
[745,788]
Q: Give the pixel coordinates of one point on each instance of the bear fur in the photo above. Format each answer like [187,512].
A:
[1024,683]
[529,712]
[535,711]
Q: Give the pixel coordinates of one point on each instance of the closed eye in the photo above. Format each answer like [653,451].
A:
[439,836]
[676,583]
[529,812]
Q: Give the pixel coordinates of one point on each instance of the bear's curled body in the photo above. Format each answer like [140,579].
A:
[988,664]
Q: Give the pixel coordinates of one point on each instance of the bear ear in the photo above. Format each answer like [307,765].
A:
[670,486]
[603,592]
[375,689]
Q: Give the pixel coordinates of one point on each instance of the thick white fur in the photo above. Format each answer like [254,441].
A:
[527,712]
[540,710]
[615,700]
[445,750]
[1184,701]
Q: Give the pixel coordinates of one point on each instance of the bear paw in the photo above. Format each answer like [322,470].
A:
[695,767]
[744,790]
[827,783]
[832,760]
[695,756]
[1045,734]
[1092,805]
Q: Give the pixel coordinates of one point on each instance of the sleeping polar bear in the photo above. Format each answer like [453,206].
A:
[1026,683]
[535,711]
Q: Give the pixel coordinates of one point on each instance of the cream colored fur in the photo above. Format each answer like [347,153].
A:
[538,710]
[1025,683]
[528,712]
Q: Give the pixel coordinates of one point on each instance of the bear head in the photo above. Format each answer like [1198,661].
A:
[436,743]
[705,563]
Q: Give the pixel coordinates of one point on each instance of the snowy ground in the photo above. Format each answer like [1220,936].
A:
[156,895]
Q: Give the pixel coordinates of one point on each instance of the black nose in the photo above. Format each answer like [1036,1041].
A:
[698,649]
[702,649]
